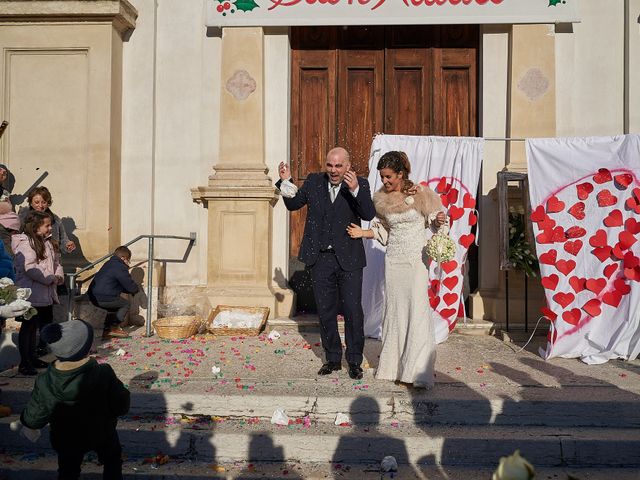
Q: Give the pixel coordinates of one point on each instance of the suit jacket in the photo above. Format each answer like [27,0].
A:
[345,210]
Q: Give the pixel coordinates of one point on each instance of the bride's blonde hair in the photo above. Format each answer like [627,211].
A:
[398,162]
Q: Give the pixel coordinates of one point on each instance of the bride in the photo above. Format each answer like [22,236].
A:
[408,339]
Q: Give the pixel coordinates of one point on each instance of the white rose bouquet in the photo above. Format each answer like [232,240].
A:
[13,300]
[440,246]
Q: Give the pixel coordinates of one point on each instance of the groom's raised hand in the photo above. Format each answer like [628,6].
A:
[351,179]
[284,171]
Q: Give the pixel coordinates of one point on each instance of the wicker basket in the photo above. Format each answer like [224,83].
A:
[177,327]
[229,331]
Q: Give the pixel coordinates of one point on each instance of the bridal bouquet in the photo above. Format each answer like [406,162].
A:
[440,246]
[12,296]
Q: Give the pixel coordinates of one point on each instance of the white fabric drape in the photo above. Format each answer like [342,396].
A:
[585,197]
[451,167]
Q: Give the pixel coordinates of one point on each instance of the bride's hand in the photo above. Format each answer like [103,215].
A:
[354,231]
[440,219]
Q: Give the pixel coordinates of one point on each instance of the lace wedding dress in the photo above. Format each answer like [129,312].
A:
[408,337]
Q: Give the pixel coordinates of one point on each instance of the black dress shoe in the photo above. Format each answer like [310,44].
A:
[37,363]
[329,367]
[355,371]
[27,370]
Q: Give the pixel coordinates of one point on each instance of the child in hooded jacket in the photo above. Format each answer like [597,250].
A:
[37,265]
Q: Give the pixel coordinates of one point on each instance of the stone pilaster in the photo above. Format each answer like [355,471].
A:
[240,195]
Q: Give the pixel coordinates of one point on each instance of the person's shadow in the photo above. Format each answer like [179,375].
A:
[75,259]
[372,446]
[139,300]
[261,450]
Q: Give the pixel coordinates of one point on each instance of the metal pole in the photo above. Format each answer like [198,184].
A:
[526,302]
[72,288]
[149,285]
[506,296]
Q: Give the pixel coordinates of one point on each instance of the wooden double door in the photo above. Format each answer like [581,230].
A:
[349,83]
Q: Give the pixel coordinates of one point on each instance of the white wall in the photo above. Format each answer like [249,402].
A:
[170,132]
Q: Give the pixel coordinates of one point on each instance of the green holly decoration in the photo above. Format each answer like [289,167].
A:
[246,5]
[553,3]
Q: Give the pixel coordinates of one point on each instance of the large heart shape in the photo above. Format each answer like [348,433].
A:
[538,214]
[578,284]
[626,240]
[575,232]
[610,269]
[584,189]
[549,258]
[599,239]
[449,266]
[632,226]
[443,186]
[452,196]
[614,219]
[450,298]
[469,202]
[466,240]
[547,312]
[630,260]
[434,301]
[612,298]
[596,285]
[473,218]
[623,180]
[572,316]
[602,253]
[448,312]
[622,286]
[455,212]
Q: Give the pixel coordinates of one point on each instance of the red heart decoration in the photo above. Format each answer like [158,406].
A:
[602,253]
[621,285]
[592,307]
[452,196]
[575,232]
[450,298]
[455,212]
[434,302]
[632,273]
[609,269]
[565,266]
[558,235]
[550,282]
[606,199]
[466,240]
[445,200]
[630,260]
[631,203]
[468,201]
[623,180]
[538,214]
[435,286]
[572,316]
[450,282]
[626,239]
[632,226]
[549,258]
[596,285]
[584,189]
[599,239]
[448,312]
[602,176]
[617,252]
[442,186]
[473,218]
[564,299]
[573,247]
[548,313]
[636,193]
[577,283]
[554,205]
[577,210]
[449,266]
[614,219]
[612,298]
[547,224]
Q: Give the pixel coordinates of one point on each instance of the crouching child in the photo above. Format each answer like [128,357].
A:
[80,399]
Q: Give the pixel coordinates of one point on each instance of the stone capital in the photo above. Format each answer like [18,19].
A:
[119,12]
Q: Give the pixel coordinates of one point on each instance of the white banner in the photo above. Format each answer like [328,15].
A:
[230,13]
[451,167]
[585,198]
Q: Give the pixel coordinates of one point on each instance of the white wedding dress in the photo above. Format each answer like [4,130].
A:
[408,336]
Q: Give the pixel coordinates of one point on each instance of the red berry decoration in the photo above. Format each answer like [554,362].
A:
[220,8]
[227,5]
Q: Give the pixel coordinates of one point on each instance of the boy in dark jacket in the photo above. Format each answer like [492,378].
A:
[106,287]
[82,401]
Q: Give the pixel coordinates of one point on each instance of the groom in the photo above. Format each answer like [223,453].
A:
[334,199]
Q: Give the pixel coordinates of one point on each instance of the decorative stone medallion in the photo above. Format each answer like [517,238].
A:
[534,84]
[241,85]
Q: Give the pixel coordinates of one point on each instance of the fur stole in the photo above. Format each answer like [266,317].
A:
[425,201]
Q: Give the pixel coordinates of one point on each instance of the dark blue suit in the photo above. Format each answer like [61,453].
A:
[336,271]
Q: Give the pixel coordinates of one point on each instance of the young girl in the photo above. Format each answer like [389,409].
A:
[40,200]
[37,265]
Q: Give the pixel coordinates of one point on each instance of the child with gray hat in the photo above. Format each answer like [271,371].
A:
[81,400]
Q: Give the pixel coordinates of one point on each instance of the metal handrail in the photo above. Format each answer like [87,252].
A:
[72,276]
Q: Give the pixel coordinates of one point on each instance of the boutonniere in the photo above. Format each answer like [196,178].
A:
[409,200]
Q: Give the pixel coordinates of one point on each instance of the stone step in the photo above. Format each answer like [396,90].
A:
[43,467]
[238,440]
